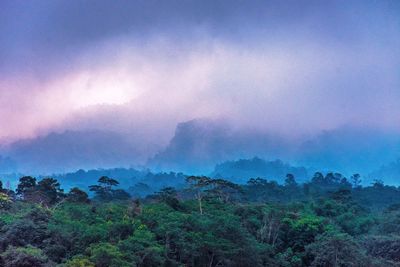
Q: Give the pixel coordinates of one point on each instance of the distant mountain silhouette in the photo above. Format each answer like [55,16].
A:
[242,170]
[199,144]
[72,150]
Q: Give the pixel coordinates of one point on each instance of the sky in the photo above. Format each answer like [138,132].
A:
[141,67]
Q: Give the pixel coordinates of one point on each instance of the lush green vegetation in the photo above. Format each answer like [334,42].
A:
[329,221]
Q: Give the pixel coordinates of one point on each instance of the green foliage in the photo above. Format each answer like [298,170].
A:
[390,221]
[336,249]
[143,248]
[340,208]
[46,192]
[5,201]
[104,190]
[49,191]
[28,230]
[79,261]
[107,255]
[26,187]
[169,196]
[301,229]
[288,258]
[383,247]
[212,223]
[78,196]
[23,257]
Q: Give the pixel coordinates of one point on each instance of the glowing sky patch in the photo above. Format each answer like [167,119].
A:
[102,88]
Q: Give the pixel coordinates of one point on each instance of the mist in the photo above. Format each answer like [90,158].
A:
[268,69]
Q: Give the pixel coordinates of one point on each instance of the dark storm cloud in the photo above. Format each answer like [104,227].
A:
[36,36]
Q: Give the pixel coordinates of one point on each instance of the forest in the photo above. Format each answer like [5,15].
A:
[200,133]
[329,221]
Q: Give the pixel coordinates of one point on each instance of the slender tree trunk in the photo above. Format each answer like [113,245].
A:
[211,261]
[142,259]
[200,204]
[336,257]
[276,234]
[269,231]
[166,246]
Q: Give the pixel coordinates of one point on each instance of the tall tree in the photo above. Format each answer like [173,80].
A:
[198,184]
[78,196]
[104,190]
[49,191]
[26,187]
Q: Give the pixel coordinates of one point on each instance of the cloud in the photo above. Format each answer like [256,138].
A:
[139,69]
[322,87]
